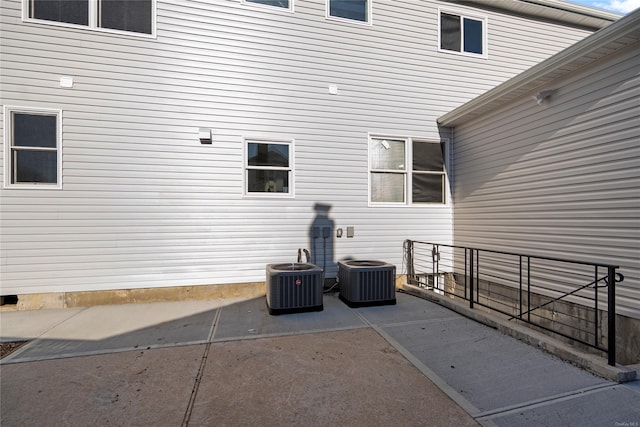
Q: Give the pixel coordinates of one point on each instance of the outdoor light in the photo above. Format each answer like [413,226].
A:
[541,96]
[205,135]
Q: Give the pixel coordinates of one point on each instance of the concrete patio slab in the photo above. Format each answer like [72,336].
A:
[101,329]
[616,405]
[141,388]
[487,368]
[251,319]
[27,325]
[230,362]
[343,378]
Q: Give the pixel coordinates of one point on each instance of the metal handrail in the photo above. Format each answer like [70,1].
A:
[472,265]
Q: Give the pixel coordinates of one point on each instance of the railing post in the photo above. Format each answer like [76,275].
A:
[596,317]
[471,278]
[520,284]
[528,289]
[611,313]
[410,269]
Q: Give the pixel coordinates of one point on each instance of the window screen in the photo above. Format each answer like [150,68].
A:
[349,9]
[33,147]
[268,168]
[69,11]
[126,15]
[461,34]
[276,3]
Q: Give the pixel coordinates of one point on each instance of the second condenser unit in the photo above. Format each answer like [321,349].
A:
[365,282]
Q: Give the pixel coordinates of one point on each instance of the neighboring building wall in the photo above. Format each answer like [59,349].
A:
[144,204]
[560,179]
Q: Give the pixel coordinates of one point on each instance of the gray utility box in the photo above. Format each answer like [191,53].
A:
[365,283]
[294,287]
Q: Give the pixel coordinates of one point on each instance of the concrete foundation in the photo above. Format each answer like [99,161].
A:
[127,296]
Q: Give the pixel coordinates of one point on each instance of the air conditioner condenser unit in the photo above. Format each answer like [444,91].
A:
[294,287]
[366,283]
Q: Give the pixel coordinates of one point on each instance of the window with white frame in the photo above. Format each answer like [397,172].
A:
[134,16]
[463,34]
[355,10]
[284,4]
[32,147]
[406,171]
[269,168]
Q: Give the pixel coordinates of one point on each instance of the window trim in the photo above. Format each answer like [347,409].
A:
[245,168]
[92,25]
[369,20]
[8,144]
[408,172]
[270,8]
[485,24]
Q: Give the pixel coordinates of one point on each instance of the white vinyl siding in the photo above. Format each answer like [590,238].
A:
[560,178]
[145,204]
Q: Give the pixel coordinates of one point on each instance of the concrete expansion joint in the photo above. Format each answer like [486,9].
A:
[537,403]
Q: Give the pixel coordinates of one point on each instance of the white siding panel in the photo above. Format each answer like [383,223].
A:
[144,204]
[562,178]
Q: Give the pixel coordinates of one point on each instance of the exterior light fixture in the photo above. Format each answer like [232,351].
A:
[205,135]
[540,97]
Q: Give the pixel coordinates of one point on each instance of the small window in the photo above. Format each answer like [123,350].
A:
[269,168]
[355,10]
[32,156]
[133,16]
[284,4]
[462,34]
[406,171]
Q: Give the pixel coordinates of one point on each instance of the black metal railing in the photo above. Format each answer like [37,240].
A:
[573,299]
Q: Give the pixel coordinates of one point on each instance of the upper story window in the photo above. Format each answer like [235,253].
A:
[269,168]
[463,34]
[355,10]
[284,4]
[134,16]
[406,171]
[32,148]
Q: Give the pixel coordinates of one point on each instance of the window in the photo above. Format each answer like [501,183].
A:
[462,34]
[33,148]
[125,15]
[134,16]
[285,4]
[406,171]
[269,168]
[69,11]
[356,10]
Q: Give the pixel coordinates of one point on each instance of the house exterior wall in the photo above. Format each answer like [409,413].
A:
[144,204]
[561,178]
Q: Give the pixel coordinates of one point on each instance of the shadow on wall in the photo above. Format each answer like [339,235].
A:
[321,239]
